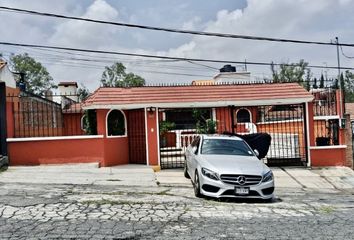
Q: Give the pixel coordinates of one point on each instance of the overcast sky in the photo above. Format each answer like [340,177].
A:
[318,20]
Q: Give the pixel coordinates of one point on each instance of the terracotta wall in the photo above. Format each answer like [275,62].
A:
[116,151]
[328,157]
[56,151]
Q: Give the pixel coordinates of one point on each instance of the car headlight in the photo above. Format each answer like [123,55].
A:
[210,174]
[268,177]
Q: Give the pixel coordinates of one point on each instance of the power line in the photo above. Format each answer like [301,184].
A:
[163,57]
[210,34]
[69,59]
[350,57]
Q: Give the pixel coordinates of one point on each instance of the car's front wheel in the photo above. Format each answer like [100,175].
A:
[197,185]
[185,170]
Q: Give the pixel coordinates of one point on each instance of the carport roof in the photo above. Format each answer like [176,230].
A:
[198,96]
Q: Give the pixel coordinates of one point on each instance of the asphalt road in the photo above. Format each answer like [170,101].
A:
[67,211]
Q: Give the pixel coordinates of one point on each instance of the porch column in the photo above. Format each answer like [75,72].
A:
[152,136]
[101,121]
[310,130]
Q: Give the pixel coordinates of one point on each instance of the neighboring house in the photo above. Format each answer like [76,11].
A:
[6,75]
[68,89]
[349,109]
[203,82]
[229,75]
[50,115]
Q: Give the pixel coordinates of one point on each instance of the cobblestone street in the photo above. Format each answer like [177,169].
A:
[38,211]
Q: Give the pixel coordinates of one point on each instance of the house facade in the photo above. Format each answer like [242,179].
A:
[128,124]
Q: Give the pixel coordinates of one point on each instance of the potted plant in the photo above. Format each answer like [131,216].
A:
[165,126]
[209,127]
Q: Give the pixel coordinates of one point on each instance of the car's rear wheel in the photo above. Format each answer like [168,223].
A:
[197,185]
[185,170]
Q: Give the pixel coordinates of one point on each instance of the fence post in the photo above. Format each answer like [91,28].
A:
[349,142]
[3,134]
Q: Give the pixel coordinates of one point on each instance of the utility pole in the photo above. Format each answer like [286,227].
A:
[340,85]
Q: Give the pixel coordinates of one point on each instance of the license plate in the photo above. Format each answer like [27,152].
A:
[242,191]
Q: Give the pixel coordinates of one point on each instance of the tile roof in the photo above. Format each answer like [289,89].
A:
[198,96]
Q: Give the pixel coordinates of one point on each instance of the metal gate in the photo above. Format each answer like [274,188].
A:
[136,136]
[286,125]
[173,146]
[173,142]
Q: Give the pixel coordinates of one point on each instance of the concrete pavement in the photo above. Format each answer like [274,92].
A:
[300,178]
[86,202]
[77,174]
[336,178]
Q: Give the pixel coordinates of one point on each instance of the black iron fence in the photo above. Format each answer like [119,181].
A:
[284,123]
[45,116]
[286,126]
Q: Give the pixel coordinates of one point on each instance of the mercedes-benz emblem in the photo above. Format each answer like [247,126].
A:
[241,180]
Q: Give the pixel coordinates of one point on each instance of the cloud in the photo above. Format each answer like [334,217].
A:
[84,34]
[192,24]
[306,19]
[320,20]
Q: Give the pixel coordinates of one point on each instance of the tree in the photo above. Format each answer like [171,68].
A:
[348,82]
[293,72]
[314,83]
[322,81]
[37,78]
[83,92]
[347,85]
[115,76]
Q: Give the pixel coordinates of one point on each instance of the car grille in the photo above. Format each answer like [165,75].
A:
[234,179]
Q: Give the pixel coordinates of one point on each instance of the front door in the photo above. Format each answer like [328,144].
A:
[136,136]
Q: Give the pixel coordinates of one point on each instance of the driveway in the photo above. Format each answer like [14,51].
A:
[336,178]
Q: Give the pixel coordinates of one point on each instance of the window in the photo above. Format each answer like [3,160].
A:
[225,147]
[243,116]
[188,118]
[116,125]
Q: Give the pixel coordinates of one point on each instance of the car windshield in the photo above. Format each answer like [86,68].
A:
[225,147]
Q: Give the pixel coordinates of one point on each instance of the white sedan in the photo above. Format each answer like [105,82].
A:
[225,166]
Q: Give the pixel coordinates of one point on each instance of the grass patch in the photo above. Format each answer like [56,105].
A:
[327,209]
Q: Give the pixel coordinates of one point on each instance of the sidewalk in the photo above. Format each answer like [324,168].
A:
[125,175]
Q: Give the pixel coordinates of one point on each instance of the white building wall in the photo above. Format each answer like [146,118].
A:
[7,76]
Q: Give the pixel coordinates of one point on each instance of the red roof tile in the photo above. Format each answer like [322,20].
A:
[198,96]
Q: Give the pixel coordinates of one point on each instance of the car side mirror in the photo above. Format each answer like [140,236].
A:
[256,152]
